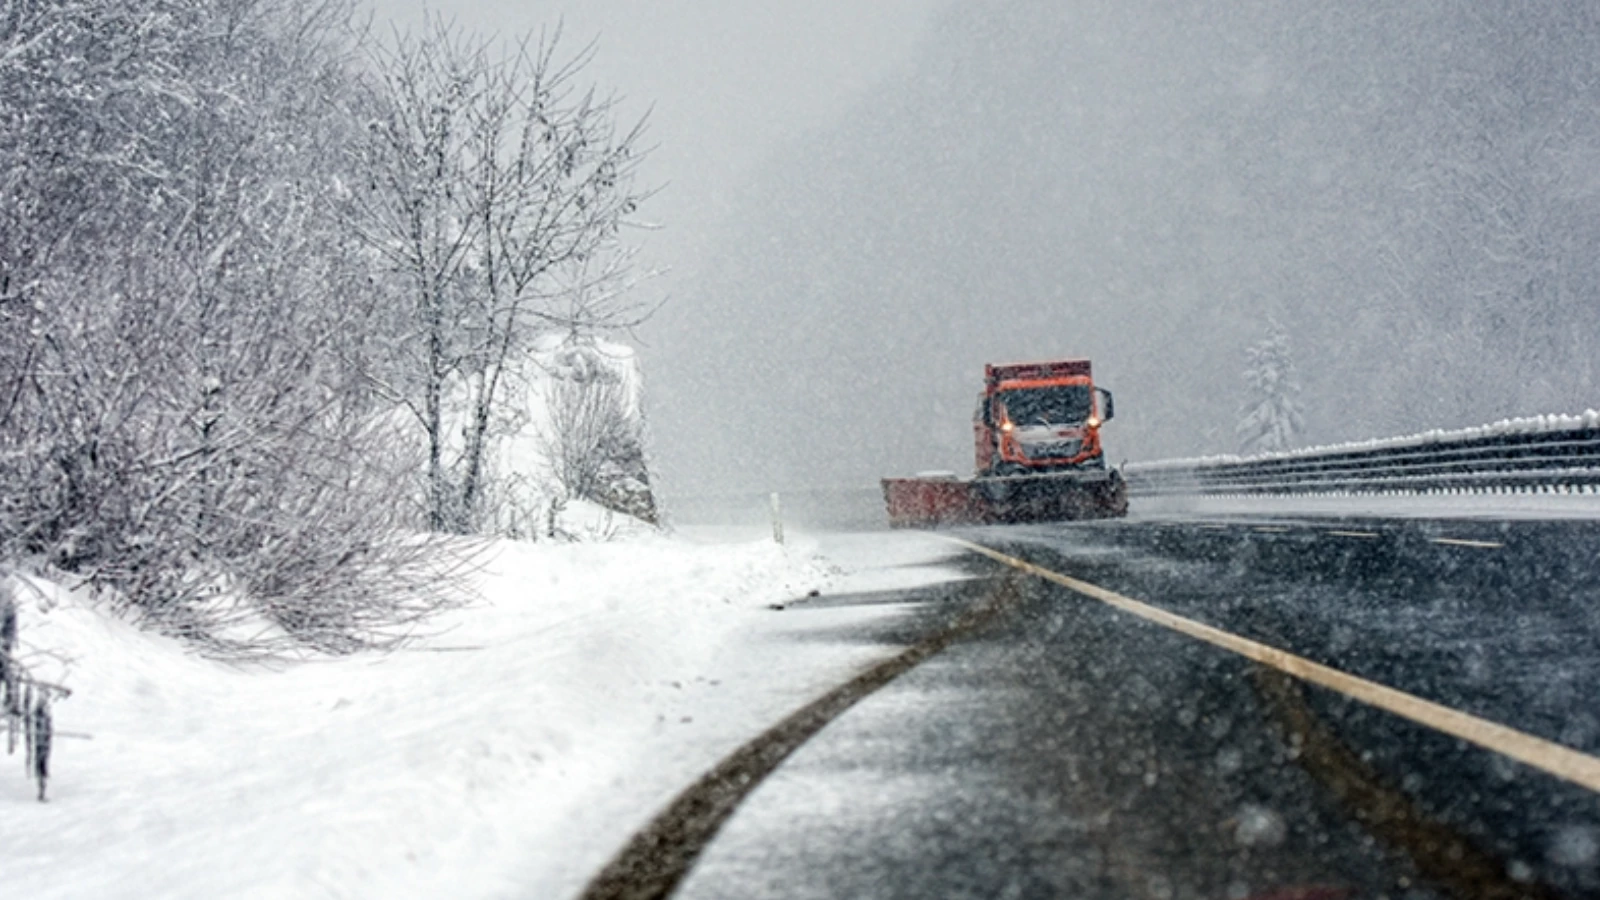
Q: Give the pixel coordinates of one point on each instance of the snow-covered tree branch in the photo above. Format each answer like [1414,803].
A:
[496,187]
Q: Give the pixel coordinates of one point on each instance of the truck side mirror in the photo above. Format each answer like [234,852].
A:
[1107,408]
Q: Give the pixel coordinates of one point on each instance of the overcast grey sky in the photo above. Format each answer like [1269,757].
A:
[725,82]
[866,201]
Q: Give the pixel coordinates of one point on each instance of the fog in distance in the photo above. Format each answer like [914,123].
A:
[1409,189]
[866,202]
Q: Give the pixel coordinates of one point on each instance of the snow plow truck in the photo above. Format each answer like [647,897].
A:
[1039,457]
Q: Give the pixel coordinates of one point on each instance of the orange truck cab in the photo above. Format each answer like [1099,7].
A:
[1039,417]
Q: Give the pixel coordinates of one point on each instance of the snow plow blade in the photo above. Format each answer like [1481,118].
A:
[932,502]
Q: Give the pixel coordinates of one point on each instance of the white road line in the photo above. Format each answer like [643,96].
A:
[1355,534]
[1271,529]
[1461,542]
[1547,756]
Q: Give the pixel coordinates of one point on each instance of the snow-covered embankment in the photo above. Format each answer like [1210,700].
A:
[506,754]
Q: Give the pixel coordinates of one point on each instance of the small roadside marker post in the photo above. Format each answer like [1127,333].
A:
[777,520]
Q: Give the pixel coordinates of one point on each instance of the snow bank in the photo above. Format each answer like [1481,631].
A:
[508,754]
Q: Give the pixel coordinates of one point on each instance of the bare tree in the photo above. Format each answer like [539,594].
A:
[497,189]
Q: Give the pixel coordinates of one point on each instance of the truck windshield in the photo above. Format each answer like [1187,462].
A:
[1064,405]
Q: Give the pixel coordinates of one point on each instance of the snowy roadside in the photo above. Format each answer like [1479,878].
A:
[508,755]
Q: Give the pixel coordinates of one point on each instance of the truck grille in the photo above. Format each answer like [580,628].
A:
[1052,450]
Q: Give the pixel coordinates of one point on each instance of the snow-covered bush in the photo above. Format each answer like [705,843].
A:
[592,440]
[187,325]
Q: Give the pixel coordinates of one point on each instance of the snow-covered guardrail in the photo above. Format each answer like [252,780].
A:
[1543,453]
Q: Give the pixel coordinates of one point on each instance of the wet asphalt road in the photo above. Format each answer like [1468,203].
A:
[1071,750]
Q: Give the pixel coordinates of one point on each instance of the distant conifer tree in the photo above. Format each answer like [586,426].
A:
[1270,418]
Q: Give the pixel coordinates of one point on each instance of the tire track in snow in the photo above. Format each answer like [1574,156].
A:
[654,861]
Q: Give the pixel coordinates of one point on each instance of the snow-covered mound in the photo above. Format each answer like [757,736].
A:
[505,754]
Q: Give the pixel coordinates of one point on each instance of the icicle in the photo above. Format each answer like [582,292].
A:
[8,621]
[27,729]
[7,685]
[39,751]
[8,640]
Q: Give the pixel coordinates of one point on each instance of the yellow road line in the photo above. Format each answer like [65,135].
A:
[1359,534]
[1547,756]
[1461,542]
